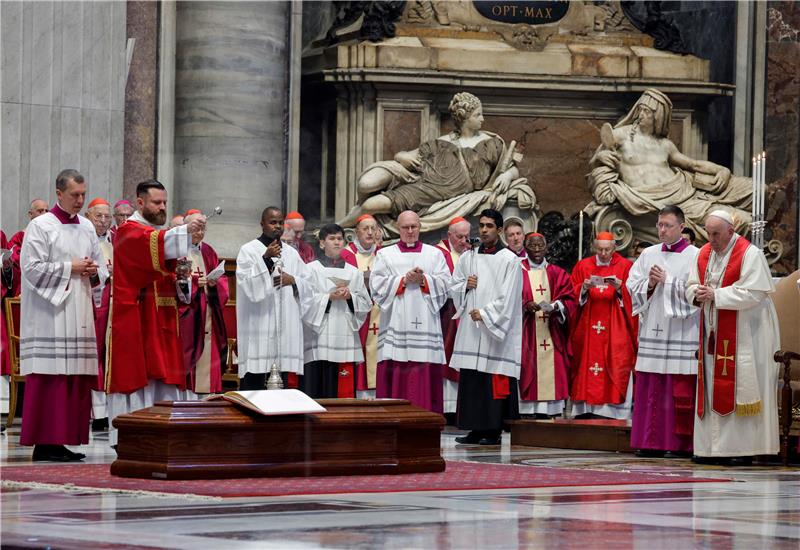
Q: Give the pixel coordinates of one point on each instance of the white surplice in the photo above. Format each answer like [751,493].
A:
[57,334]
[668,322]
[493,345]
[256,302]
[757,340]
[410,328]
[332,334]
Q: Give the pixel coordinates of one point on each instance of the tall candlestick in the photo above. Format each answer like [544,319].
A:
[754,200]
[580,235]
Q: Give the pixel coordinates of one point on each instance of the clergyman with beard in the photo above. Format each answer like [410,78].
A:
[145,360]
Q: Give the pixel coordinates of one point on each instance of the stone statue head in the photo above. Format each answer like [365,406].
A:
[659,104]
[461,106]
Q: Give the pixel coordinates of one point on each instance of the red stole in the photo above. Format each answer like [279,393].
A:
[724,341]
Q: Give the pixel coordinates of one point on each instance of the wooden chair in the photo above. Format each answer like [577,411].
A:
[787,307]
[12,324]
[786,401]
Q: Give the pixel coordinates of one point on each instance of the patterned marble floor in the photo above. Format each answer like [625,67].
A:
[760,508]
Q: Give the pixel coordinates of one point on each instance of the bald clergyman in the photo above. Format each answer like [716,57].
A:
[409,283]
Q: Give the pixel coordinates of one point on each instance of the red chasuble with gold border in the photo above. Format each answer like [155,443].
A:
[144,335]
[604,340]
[546,350]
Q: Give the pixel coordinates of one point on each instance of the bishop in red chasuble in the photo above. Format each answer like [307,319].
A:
[548,307]
[604,336]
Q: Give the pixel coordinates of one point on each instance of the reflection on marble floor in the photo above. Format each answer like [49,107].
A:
[760,508]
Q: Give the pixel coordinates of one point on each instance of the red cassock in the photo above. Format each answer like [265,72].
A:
[604,337]
[101,314]
[5,358]
[306,251]
[15,246]
[449,325]
[561,288]
[144,332]
[193,328]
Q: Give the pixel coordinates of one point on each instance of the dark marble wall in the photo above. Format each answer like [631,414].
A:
[141,96]
[782,124]
[708,28]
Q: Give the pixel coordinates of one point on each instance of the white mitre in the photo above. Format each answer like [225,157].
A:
[723,215]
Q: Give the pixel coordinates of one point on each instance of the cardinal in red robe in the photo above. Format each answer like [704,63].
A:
[549,306]
[604,337]
[202,324]
[7,283]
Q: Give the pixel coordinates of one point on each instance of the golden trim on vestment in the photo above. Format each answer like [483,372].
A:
[749,409]
[154,251]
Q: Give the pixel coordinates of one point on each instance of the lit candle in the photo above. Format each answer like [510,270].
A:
[763,187]
[580,235]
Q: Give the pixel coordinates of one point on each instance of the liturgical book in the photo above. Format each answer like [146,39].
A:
[272,402]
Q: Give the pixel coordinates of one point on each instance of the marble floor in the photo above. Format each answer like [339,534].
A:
[759,508]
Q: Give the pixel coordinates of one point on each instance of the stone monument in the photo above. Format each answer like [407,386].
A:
[637,170]
[457,174]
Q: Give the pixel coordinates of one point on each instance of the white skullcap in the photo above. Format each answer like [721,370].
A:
[723,215]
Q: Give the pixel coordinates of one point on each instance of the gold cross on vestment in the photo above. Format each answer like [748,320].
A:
[725,357]
[596,369]
[598,327]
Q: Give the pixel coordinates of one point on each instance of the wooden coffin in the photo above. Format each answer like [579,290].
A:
[216,440]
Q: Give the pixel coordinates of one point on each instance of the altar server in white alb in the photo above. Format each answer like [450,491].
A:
[666,366]
[409,282]
[273,292]
[737,411]
[60,262]
[486,290]
[340,305]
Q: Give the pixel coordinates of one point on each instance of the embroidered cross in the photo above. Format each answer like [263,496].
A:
[598,327]
[596,369]
[416,322]
[658,330]
[541,290]
[545,316]
[544,345]
[344,373]
[725,357]
[373,329]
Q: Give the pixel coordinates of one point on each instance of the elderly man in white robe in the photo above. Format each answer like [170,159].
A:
[273,293]
[737,411]
[666,365]
[340,305]
[60,263]
[409,282]
[486,290]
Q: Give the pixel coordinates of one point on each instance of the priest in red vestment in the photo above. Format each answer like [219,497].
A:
[361,254]
[604,336]
[202,329]
[456,243]
[548,308]
[7,283]
[146,361]
[294,229]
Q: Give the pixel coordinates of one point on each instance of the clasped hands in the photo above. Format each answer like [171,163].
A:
[341,293]
[656,275]
[704,294]
[85,266]
[416,276]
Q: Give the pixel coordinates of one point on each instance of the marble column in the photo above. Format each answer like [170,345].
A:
[230,112]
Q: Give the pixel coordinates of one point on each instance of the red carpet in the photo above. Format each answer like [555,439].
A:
[458,476]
